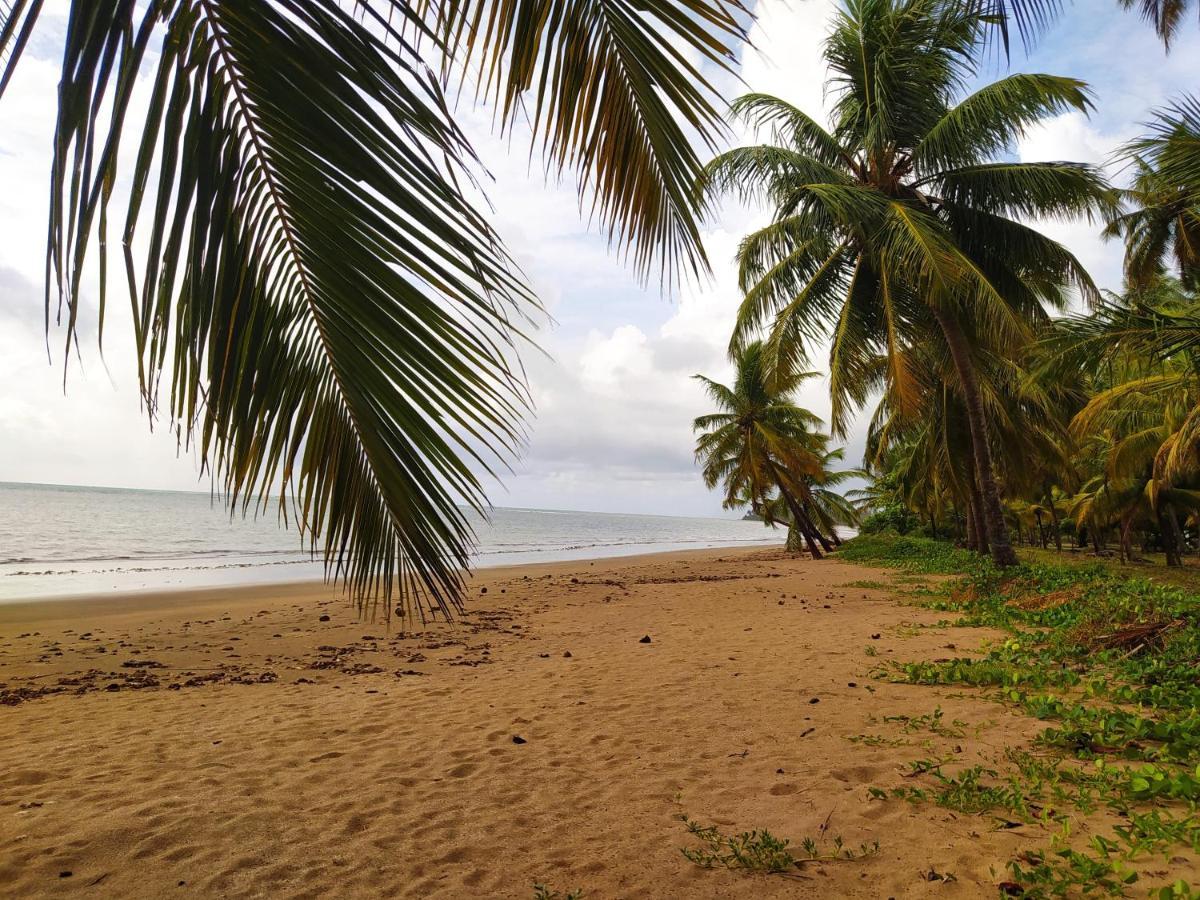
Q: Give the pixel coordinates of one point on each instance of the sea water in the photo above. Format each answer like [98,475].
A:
[67,540]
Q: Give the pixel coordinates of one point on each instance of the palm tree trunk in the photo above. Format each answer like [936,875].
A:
[825,545]
[1168,526]
[1054,520]
[793,538]
[976,505]
[992,514]
[1126,542]
[801,521]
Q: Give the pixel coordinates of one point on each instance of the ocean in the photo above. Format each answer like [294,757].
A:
[66,540]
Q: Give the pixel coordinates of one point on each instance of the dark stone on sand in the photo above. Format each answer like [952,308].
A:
[323,619]
[645,640]
[483,590]
[815,700]
[566,654]
[65,874]
[851,684]
[875,636]
[517,739]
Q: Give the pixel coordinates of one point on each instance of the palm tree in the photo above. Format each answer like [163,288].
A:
[761,444]
[1140,428]
[1162,230]
[899,223]
[335,317]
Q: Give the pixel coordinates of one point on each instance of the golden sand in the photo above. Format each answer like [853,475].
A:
[230,743]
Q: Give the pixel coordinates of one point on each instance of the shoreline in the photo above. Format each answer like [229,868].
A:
[122,602]
[243,575]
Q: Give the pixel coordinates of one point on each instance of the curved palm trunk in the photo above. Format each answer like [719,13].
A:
[991,513]
[801,521]
[820,535]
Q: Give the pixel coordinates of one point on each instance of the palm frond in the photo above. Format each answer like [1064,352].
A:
[335,318]
[610,90]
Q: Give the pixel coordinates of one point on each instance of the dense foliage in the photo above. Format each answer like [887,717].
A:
[1107,660]
[900,235]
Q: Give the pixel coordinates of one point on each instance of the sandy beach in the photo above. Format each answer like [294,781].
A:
[266,742]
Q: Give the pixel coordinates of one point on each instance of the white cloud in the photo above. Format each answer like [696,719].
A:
[1072,138]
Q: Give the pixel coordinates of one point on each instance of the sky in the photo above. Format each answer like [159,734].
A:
[613,389]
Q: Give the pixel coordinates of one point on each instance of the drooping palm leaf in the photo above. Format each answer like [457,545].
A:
[1034,16]
[609,89]
[334,319]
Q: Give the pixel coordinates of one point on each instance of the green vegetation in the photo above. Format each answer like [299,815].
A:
[760,851]
[1108,660]
[896,235]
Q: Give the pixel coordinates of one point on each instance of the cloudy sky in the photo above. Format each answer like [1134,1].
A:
[614,399]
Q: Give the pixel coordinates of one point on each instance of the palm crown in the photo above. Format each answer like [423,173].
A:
[903,219]
[761,442]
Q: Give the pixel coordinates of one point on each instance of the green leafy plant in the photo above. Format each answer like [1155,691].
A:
[760,851]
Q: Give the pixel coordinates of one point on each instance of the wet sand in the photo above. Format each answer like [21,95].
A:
[237,743]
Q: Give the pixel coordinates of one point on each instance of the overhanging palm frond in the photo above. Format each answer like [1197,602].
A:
[989,121]
[338,321]
[334,316]
[609,89]
[1165,15]
[1034,16]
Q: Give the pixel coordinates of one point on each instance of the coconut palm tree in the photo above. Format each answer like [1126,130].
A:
[309,267]
[761,447]
[901,222]
[1139,431]
[1161,231]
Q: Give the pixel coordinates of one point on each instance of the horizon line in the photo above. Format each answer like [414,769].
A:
[211,493]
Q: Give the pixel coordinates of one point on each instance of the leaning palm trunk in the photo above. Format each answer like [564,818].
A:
[826,545]
[801,521]
[991,513]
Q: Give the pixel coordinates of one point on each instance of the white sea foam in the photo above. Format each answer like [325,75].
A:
[58,541]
